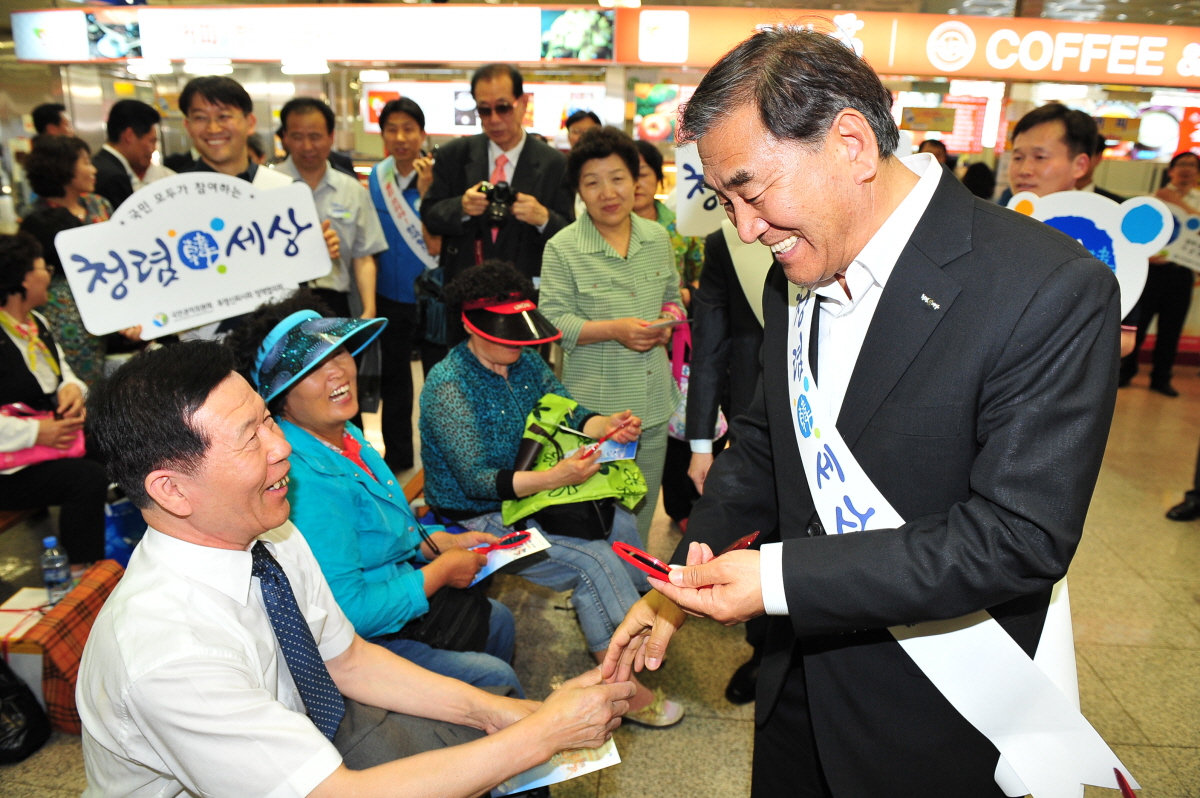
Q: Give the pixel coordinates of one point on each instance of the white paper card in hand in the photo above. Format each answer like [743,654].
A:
[611,451]
[499,558]
[562,767]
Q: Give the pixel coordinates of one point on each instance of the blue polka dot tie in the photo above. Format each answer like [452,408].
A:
[320,695]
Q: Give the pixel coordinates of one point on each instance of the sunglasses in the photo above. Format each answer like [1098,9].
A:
[502,109]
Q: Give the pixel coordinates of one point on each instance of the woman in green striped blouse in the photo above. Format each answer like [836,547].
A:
[607,280]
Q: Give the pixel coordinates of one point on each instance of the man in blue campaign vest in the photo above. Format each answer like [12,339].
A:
[398,183]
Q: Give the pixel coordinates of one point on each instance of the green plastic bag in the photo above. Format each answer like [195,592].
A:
[621,480]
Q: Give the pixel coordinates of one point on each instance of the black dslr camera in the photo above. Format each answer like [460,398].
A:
[500,201]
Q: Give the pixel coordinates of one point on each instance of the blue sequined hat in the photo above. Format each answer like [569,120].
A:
[298,343]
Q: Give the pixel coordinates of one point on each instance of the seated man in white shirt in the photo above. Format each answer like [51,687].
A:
[198,672]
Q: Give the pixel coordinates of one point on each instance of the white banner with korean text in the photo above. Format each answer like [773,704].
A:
[190,250]
[698,210]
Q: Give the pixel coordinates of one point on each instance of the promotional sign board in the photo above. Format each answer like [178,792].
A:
[656,109]
[1122,236]
[698,211]
[927,119]
[969,123]
[344,33]
[1189,131]
[998,48]
[192,249]
[1118,128]
[1184,246]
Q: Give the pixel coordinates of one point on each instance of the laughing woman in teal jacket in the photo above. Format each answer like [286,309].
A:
[347,502]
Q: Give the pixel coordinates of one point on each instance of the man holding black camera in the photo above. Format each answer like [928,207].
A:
[526,179]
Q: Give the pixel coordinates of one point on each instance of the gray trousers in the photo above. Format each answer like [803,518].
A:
[369,736]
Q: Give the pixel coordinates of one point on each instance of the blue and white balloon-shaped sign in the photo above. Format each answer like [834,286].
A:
[1121,235]
[1184,246]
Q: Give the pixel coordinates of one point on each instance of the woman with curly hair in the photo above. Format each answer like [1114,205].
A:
[473,411]
[61,173]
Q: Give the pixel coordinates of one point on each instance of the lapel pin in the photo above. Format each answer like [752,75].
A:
[930,302]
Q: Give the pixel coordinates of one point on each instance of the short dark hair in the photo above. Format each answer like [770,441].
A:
[247,337]
[47,114]
[134,114]
[1080,129]
[651,156]
[980,180]
[934,143]
[601,143]
[50,165]
[17,254]
[140,418]
[494,71]
[305,105]
[581,115]
[254,143]
[1179,156]
[218,90]
[492,278]
[402,105]
[799,80]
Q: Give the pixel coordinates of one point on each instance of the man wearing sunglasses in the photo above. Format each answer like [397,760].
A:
[454,206]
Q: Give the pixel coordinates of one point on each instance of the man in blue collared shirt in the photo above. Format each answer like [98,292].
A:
[398,184]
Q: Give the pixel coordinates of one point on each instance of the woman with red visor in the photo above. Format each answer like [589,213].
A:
[473,411]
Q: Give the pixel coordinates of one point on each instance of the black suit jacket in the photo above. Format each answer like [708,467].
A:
[180,162]
[343,163]
[541,171]
[17,382]
[983,422]
[112,181]
[726,338]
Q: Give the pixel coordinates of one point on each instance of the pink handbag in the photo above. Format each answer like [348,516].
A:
[37,453]
[681,346]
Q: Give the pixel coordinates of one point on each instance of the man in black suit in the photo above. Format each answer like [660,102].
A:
[727,335]
[969,355]
[454,206]
[124,164]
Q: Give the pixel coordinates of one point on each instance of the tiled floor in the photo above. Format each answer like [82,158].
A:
[1135,588]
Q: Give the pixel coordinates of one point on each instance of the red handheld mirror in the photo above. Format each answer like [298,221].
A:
[644,562]
[509,541]
[743,542]
[1123,784]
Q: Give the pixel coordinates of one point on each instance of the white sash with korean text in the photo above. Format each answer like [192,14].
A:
[1028,708]
[403,216]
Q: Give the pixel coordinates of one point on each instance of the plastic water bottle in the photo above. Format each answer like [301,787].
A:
[56,570]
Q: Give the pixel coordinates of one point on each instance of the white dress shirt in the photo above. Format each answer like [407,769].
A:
[405,182]
[513,155]
[155,171]
[21,433]
[342,201]
[183,687]
[843,324]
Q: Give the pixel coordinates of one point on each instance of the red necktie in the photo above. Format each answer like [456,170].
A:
[498,176]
